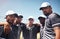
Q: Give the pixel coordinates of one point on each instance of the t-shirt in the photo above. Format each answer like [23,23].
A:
[53,20]
[41,31]
[30,33]
[19,29]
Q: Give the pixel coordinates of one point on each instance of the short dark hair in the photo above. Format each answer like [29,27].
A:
[16,15]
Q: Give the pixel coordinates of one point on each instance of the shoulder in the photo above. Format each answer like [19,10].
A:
[5,23]
[54,15]
[36,25]
[23,24]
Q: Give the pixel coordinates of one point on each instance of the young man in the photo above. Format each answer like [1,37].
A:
[10,17]
[52,24]
[20,25]
[42,24]
[30,30]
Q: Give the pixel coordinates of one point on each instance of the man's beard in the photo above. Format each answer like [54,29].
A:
[47,14]
[10,22]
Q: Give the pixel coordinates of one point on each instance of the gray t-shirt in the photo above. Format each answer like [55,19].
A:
[51,22]
[41,31]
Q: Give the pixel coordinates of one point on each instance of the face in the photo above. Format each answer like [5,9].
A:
[47,10]
[42,20]
[31,21]
[10,18]
[18,20]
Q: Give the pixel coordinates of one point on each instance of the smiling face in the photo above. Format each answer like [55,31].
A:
[42,20]
[10,18]
[18,20]
[31,21]
[47,10]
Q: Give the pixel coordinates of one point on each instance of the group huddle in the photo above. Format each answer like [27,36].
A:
[48,26]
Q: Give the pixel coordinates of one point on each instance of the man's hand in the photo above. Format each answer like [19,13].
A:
[57,32]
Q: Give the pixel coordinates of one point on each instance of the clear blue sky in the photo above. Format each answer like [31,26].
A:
[26,7]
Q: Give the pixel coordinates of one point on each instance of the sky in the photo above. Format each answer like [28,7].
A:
[26,8]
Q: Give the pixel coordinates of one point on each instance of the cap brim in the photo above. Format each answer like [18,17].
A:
[41,17]
[44,7]
[40,9]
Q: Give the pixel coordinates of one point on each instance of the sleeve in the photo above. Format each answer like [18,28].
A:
[37,27]
[23,27]
[55,21]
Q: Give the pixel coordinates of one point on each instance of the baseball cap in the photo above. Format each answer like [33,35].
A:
[44,4]
[30,17]
[41,16]
[10,12]
[20,15]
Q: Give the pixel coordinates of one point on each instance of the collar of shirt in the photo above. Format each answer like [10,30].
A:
[18,25]
[28,27]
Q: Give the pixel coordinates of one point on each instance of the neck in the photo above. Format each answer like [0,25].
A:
[49,14]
